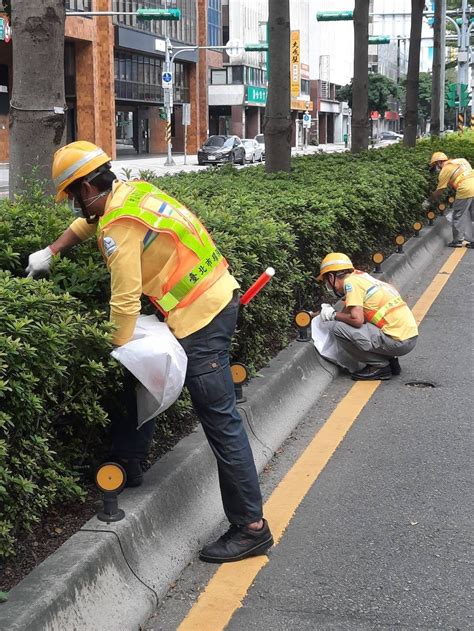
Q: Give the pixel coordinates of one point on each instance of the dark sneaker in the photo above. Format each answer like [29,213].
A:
[238,543]
[133,469]
[470,245]
[372,373]
[394,366]
[455,244]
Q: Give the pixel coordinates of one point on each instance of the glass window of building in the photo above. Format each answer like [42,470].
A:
[183,30]
[78,5]
[214,23]
[138,78]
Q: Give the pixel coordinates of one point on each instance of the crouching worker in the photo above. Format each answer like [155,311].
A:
[375,327]
[153,245]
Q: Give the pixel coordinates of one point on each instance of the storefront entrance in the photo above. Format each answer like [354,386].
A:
[132,130]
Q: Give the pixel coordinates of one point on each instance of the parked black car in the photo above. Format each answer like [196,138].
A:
[219,149]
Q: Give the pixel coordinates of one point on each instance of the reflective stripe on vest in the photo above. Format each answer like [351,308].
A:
[458,175]
[177,221]
[378,316]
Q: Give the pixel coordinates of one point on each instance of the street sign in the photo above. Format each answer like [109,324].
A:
[186,119]
[168,100]
[158,14]
[334,16]
[234,48]
[166,80]
[379,39]
[307,120]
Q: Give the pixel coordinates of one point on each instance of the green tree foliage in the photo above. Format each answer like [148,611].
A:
[381,88]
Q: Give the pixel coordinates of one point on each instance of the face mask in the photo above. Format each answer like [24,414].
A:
[76,210]
[332,288]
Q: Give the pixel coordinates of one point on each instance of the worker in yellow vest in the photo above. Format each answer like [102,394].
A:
[155,246]
[375,326]
[456,174]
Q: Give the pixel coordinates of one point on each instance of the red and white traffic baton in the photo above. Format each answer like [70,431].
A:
[259,284]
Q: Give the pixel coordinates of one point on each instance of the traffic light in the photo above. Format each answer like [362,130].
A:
[158,14]
[452,100]
[465,97]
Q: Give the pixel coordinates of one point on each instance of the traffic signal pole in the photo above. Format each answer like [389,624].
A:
[463,63]
[168,97]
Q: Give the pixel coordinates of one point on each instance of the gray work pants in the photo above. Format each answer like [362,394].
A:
[369,344]
[463,216]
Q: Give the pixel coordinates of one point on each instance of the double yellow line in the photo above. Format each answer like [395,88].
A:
[225,591]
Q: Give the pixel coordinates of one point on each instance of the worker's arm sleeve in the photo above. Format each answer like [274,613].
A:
[123,249]
[82,229]
[443,179]
[354,293]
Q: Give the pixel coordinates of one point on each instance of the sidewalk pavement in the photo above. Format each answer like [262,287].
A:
[133,164]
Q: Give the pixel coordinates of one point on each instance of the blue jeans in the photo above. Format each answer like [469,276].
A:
[210,385]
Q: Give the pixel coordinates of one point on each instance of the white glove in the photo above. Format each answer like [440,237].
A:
[426,205]
[39,262]
[327,313]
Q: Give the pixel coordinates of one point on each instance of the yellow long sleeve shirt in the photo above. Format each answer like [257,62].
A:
[466,187]
[136,270]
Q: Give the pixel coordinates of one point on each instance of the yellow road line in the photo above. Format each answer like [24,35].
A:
[229,585]
[439,281]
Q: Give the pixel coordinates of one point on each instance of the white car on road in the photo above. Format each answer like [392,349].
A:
[253,151]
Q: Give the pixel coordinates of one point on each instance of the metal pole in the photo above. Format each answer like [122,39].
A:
[185,142]
[469,32]
[398,83]
[442,73]
[169,162]
[462,56]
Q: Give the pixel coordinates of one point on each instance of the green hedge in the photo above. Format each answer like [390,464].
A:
[57,381]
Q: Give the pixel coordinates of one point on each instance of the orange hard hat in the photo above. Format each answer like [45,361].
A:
[334,262]
[75,160]
[438,156]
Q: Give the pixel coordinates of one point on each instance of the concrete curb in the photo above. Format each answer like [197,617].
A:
[109,577]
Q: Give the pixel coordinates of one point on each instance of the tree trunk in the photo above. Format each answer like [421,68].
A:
[413,74]
[436,84]
[360,87]
[277,122]
[36,127]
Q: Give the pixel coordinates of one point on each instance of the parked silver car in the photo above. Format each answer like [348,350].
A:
[260,138]
[253,151]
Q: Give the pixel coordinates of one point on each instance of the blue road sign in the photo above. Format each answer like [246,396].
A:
[166,79]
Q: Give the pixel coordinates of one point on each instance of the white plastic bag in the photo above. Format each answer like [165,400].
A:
[156,358]
[328,346]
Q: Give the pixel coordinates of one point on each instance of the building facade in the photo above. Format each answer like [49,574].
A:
[113,75]
[238,88]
